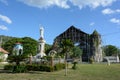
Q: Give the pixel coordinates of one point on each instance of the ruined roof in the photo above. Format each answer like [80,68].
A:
[70,30]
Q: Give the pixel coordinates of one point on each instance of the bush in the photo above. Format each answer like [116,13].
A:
[74,65]
[16,68]
[33,67]
[59,66]
[91,60]
[19,69]
[1,60]
[8,67]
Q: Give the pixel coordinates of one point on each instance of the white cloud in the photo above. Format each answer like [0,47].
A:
[91,3]
[46,3]
[5,18]
[2,27]
[118,10]
[114,20]
[107,11]
[4,1]
[92,23]
[64,3]
[110,11]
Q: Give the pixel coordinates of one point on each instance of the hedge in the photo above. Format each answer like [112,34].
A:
[33,67]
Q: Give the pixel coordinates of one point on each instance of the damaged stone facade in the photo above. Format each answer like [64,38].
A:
[89,43]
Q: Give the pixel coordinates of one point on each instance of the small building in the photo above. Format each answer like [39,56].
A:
[18,49]
[3,54]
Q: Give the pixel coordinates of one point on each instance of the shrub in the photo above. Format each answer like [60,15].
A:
[1,60]
[91,60]
[16,68]
[8,67]
[20,69]
[74,65]
[59,66]
[33,67]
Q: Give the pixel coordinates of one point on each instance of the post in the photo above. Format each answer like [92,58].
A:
[65,65]
[59,59]
[30,59]
[52,63]
[108,62]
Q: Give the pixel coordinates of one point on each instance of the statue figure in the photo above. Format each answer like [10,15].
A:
[41,45]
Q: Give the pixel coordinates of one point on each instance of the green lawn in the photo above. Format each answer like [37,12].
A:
[84,72]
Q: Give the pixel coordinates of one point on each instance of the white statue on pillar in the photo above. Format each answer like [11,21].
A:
[41,44]
[42,32]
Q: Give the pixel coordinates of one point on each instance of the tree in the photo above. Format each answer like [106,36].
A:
[67,46]
[16,58]
[29,45]
[77,52]
[110,50]
[5,38]
[9,45]
[48,48]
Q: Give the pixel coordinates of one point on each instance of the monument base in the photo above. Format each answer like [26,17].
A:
[40,55]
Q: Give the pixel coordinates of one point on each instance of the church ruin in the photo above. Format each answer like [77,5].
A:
[90,44]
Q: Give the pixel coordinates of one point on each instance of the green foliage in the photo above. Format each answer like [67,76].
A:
[84,72]
[16,58]
[11,43]
[91,60]
[1,53]
[35,67]
[22,68]
[59,66]
[16,68]
[77,52]
[9,67]
[110,50]
[48,48]
[95,36]
[1,60]
[1,56]
[74,65]
[67,46]
[5,38]
[29,46]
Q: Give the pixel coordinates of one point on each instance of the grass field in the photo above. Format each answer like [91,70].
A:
[84,72]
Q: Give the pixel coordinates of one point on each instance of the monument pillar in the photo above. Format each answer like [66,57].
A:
[41,44]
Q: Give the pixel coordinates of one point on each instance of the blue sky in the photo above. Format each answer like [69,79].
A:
[20,18]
